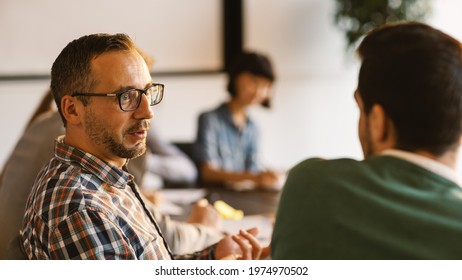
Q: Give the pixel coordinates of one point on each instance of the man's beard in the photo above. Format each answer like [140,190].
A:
[99,135]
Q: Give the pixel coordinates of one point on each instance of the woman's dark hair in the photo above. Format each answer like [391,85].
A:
[415,73]
[254,63]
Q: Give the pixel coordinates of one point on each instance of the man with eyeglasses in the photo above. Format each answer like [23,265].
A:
[84,204]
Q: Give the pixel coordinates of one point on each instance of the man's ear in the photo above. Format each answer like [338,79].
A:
[381,128]
[70,109]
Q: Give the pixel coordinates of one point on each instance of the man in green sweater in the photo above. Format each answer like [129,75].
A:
[403,201]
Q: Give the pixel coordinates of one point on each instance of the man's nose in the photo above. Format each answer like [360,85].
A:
[144,111]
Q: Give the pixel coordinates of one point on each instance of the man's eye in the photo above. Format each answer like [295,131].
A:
[125,97]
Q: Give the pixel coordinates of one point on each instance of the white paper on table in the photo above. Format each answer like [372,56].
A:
[182,196]
[240,186]
[264,223]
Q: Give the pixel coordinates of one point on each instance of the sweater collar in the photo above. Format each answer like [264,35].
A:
[425,162]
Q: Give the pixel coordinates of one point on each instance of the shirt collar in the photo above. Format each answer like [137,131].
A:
[225,111]
[105,172]
[425,162]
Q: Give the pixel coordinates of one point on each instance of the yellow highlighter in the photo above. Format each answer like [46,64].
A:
[226,211]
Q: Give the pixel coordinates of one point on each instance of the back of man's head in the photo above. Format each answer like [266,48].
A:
[415,73]
[71,71]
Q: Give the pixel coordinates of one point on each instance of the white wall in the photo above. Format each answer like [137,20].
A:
[36,31]
[314,112]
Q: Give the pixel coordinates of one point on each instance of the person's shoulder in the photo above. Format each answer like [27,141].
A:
[69,183]
[322,165]
[49,121]
[316,173]
[64,191]
[214,115]
[213,111]
[56,192]
[59,175]
[322,170]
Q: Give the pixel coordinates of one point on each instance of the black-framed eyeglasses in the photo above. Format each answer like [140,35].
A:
[130,99]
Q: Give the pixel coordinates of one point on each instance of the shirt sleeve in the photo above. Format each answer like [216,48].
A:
[89,234]
[187,241]
[207,141]
[184,238]
[252,161]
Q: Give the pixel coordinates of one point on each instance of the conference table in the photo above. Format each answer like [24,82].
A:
[259,206]
[251,202]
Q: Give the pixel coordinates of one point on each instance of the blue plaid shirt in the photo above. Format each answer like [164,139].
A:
[225,146]
[80,207]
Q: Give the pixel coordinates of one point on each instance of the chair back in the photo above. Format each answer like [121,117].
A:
[15,250]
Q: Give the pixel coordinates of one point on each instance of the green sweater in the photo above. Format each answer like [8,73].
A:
[379,208]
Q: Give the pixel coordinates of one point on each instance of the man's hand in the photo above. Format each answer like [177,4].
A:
[204,213]
[271,180]
[242,246]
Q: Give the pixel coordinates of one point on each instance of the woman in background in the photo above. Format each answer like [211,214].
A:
[227,137]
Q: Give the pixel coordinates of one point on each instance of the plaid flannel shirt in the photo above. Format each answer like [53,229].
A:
[80,207]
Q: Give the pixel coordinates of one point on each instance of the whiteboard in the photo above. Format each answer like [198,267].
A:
[181,35]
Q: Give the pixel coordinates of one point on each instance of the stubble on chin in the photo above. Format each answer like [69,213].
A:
[140,148]
[139,151]
[101,136]
[121,151]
